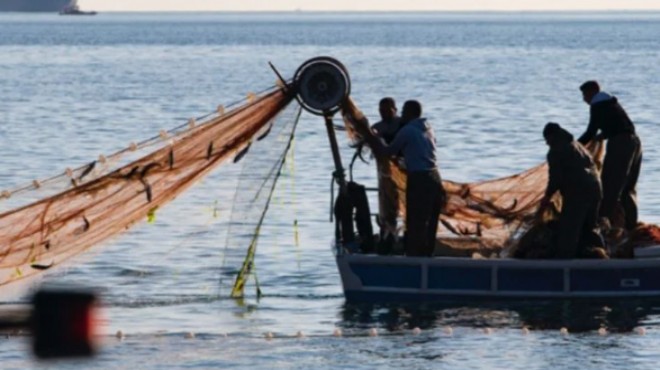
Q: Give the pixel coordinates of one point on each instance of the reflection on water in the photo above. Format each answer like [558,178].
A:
[576,316]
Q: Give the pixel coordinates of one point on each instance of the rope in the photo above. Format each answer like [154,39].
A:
[248,263]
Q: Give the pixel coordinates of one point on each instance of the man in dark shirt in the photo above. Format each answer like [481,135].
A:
[623,156]
[390,122]
[388,200]
[425,196]
[573,174]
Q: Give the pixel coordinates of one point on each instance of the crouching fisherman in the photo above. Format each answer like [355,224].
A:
[425,196]
[572,172]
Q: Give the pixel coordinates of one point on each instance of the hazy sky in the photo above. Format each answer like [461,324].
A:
[252,5]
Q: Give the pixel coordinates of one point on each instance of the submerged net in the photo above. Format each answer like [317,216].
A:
[486,216]
[92,203]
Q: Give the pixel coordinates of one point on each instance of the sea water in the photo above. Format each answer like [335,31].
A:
[72,88]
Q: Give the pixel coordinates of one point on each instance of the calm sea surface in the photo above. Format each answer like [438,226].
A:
[73,88]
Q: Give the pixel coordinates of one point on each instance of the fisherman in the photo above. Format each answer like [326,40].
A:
[572,172]
[388,195]
[623,156]
[425,195]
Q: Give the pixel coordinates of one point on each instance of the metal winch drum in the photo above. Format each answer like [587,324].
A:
[322,84]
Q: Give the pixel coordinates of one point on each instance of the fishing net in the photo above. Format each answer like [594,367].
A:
[88,205]
[262,167]
[485,216]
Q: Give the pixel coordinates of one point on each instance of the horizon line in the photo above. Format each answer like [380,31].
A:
[385,11]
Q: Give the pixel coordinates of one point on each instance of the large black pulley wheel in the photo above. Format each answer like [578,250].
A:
[322,84]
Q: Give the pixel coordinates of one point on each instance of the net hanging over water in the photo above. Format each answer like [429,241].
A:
[90,204]
[262,168]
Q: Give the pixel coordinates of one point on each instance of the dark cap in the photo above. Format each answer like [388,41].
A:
[550,129]
[590,85]
[553,129]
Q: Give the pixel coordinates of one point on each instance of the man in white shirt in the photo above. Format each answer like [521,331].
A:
[388,195]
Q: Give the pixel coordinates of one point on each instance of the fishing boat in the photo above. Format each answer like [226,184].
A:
[493,210]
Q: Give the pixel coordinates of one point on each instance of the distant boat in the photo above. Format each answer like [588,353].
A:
[73,9]
[44,6]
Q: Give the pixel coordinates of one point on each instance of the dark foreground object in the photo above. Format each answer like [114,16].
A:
[61,324]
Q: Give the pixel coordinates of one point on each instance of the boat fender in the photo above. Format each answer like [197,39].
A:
[350,208]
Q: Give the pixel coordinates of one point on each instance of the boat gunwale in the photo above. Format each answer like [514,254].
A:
[502,262]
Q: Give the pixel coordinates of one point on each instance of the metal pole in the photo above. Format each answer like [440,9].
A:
[339,174]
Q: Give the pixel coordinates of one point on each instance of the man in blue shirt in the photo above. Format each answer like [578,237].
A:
[425,196]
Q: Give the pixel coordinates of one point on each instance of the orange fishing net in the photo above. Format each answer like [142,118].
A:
[103,199]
